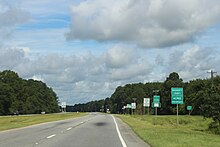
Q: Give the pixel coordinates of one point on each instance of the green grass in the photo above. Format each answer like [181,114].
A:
[12,122]
[161,131]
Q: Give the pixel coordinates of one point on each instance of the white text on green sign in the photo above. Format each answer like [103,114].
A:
[156,99]
[189,108]
[177,95]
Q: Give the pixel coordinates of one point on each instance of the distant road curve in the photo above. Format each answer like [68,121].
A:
[94,130]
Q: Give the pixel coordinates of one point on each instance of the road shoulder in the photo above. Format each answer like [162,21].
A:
[130,138]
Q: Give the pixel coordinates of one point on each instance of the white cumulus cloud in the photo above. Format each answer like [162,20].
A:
[10,16]
[193,62]
[147,23]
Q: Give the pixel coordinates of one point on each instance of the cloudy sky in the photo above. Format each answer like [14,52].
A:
[84,49]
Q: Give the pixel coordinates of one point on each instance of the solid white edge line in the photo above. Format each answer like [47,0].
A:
[119,134]
[48,137]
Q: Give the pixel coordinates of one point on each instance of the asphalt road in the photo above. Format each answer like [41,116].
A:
[94,130]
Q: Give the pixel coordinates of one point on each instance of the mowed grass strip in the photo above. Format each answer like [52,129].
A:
[161,131]
[12,122]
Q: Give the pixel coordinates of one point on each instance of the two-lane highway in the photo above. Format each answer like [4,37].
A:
[94,130]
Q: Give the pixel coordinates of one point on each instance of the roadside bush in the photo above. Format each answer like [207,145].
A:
[215,127]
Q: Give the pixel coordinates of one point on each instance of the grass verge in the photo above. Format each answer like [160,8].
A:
[161,131]
[12,122]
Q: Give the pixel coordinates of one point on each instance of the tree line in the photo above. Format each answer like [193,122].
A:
[202,94]
[20,96]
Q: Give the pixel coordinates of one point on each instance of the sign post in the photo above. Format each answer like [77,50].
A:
[129,107]
[146,103]
[156,103]
[63,106]
[189,108]
[177,98]
[133,106]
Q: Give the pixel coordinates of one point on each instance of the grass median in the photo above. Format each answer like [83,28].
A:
[12,122]
[162,131]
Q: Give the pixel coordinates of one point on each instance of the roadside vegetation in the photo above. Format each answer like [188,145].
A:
[12,122]
[161,131]
[21,96]
[202,94]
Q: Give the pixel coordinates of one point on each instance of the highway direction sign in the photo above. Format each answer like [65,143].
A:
[156,99]
[128,106]
[177,95]
[189,108]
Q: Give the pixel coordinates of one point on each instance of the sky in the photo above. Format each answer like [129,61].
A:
[84,49]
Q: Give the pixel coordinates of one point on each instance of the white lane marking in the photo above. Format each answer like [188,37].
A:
[69,129]
[48,137]
[119,134]
[82,122]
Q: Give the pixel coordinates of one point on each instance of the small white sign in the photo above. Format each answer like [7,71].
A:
[63,105]
[156,104]
[146,102]
[133,105]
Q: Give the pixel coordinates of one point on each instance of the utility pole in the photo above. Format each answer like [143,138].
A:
[212,75]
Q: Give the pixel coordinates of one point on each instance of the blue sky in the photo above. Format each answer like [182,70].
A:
[84,49]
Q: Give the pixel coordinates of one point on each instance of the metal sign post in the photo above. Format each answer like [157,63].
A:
[148,111]
[156,103]
[133,107]
[189,108]
[63,106]
[177,115]
[146,103]
[177,98]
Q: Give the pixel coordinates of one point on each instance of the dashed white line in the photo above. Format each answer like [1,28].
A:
[51,136]
[119,134]
[69,129]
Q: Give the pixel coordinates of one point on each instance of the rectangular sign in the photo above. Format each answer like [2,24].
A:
[177,95]
[189,108]
[146,102]
[156,99]
[156,105]
[129,106]
[133,105]
[63,104]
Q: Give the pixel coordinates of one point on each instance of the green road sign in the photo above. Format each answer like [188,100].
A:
[189,108]
[129,106]
[156,99]
[177,95]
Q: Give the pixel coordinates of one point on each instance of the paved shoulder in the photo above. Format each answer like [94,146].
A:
[130,138]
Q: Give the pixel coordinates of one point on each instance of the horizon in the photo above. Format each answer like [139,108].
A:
[85,49]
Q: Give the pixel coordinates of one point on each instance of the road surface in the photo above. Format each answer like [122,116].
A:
[94,130]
